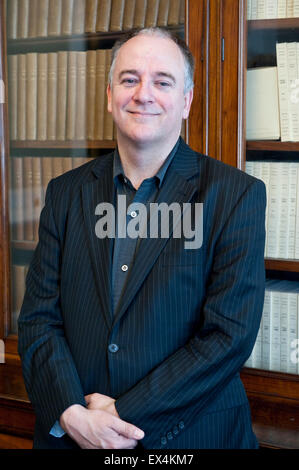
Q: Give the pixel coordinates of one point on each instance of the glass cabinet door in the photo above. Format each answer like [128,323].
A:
[58,59]
[272,155]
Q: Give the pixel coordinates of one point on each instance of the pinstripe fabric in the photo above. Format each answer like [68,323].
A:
[185,325]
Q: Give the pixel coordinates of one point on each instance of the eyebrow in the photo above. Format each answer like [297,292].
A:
[135,72]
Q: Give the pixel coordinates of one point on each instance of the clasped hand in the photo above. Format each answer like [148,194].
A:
[99,426]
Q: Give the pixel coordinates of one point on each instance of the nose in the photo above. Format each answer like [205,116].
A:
[143,92]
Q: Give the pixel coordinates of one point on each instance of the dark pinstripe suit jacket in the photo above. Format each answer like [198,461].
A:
[187,321]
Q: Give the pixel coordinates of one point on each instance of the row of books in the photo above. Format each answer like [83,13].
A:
[270,9]
[276,346]
[59,96]
[282,212]
[43,18]
[272,97]
[29,180]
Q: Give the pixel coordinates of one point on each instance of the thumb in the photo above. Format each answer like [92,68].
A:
[127,429]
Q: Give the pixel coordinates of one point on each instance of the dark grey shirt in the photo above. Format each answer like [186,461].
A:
[124,249]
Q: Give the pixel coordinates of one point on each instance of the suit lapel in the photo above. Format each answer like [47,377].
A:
[176,188]
[95,192]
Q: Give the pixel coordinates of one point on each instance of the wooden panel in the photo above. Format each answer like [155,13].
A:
[13,442]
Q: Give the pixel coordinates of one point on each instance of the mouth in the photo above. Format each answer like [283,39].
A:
[142,114]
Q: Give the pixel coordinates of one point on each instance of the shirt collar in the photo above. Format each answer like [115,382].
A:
[118,171]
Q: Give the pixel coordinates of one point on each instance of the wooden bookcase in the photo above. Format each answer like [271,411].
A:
[217,32]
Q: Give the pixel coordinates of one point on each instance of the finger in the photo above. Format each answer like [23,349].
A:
[127,429]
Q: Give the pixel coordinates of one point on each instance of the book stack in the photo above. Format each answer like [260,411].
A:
[276,344]
[59,96]
[270,9]
[43,18]
[272,97]
[29,180]
[18,278]
[282,212]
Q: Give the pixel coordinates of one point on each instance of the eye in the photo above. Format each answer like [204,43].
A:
[163,84]
[129,81]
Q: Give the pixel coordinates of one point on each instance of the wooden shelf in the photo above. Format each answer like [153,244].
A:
[272,145]
[277,23]
[282,265]
[63,144]
[82,42]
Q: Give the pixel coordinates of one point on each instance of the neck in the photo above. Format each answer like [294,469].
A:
[142,161]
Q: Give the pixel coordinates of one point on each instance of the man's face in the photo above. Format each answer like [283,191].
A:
[147,97]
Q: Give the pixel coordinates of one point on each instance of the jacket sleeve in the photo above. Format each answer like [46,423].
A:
[50,376]
[182,386]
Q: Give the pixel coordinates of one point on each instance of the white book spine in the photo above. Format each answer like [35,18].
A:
[297,220]
[273,211]
[248,9]
[284,211]
[292,84]
[282,8]
[292,329]
[271,9]
[261,9]
[249,168]
[266,331]
[293,170]
[257,350]
[265,177]
[284,347]
[254,9]
[290,8]
[296,9]
[282,68]
[275,331]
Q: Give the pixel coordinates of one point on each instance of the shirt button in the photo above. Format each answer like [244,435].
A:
[163,441]
[124,268]
[113,348]
[133,214]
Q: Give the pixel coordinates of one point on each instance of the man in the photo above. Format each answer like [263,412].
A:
[131,341]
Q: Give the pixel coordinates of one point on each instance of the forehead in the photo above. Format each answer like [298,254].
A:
[156,52]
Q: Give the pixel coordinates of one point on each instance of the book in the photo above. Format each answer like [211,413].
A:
[52,96]
[117,13]
[28,199]
[80,126]
[100,94]
[281,8]
[13,95]
[292,78]
[23,18]
[103,15]
[129,12]
[21,111]
[262,104]
[174,13]
[17,198]
[31,96]
[140,13]
[108,121]
[79,16]
[61,94]
[33,18]
[42,18]
[12,19]
[42,96]
[151,16]
[54,17]
[91,62]
[71,96]
[37,194]
[283,81]
[91,15]
[67,17]
[163,13]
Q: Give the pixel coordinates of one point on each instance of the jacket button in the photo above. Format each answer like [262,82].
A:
[175,430]
[113,348]
[181,425]
[169,436]
[163,441]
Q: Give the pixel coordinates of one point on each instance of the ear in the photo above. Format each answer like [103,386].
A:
[188,97]
[109,100]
